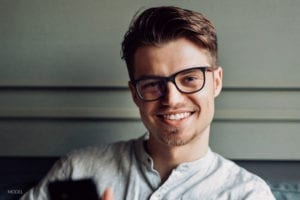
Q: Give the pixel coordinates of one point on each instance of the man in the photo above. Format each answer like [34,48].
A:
[171,56]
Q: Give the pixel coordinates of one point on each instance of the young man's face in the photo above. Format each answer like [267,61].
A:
[176,119]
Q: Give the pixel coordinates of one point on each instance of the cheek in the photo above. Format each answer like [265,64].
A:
[209,108]
[146,110]
[147,117]
[204,101]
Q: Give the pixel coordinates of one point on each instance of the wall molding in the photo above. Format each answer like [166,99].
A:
[120,113]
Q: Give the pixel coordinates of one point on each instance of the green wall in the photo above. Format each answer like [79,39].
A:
[64,86]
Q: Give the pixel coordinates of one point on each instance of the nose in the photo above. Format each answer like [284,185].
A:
[173,97]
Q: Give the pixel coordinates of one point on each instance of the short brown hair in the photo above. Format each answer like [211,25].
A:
[159,25]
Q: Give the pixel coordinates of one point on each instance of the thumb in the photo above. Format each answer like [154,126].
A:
[107,195]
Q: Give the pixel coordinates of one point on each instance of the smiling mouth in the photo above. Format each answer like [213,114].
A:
[176,116]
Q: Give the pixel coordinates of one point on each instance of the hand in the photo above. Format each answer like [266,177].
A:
[107,195]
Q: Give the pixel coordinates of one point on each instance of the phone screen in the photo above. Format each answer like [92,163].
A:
[73,190]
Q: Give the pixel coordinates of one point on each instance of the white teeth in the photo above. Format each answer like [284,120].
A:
[177,116]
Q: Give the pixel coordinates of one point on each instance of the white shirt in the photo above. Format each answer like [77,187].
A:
[128,170]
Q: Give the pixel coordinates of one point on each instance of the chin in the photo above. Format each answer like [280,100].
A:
[176,138]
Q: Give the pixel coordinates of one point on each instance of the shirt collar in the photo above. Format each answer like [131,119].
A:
[200,164]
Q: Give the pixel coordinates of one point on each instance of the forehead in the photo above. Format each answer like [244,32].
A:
[168,58]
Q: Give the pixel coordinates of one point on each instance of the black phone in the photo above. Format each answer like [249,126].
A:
[73,190]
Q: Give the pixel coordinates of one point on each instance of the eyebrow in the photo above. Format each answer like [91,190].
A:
[150,76]
[159,77]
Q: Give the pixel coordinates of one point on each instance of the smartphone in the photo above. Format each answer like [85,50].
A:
[73,190]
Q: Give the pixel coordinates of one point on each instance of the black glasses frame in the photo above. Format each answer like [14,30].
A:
[171,78]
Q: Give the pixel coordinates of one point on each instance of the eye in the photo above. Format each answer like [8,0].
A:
[190,79]
[150,84]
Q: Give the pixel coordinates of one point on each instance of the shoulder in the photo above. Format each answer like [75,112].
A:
[101,150]
[239,182]
[232,170]
[101,154]
[90,162]
[87,161]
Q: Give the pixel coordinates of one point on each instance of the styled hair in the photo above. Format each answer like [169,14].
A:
[159,25]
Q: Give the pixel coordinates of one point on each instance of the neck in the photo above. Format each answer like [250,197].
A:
[166,157]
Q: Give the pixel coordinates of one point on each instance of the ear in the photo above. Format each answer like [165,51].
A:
[218,81]
[133,93]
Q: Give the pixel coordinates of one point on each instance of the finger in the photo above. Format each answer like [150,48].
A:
[107,195]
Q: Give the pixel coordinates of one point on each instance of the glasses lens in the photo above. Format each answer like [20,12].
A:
[151,89]
[190,81]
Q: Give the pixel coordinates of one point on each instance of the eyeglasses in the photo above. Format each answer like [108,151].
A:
[187,81]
